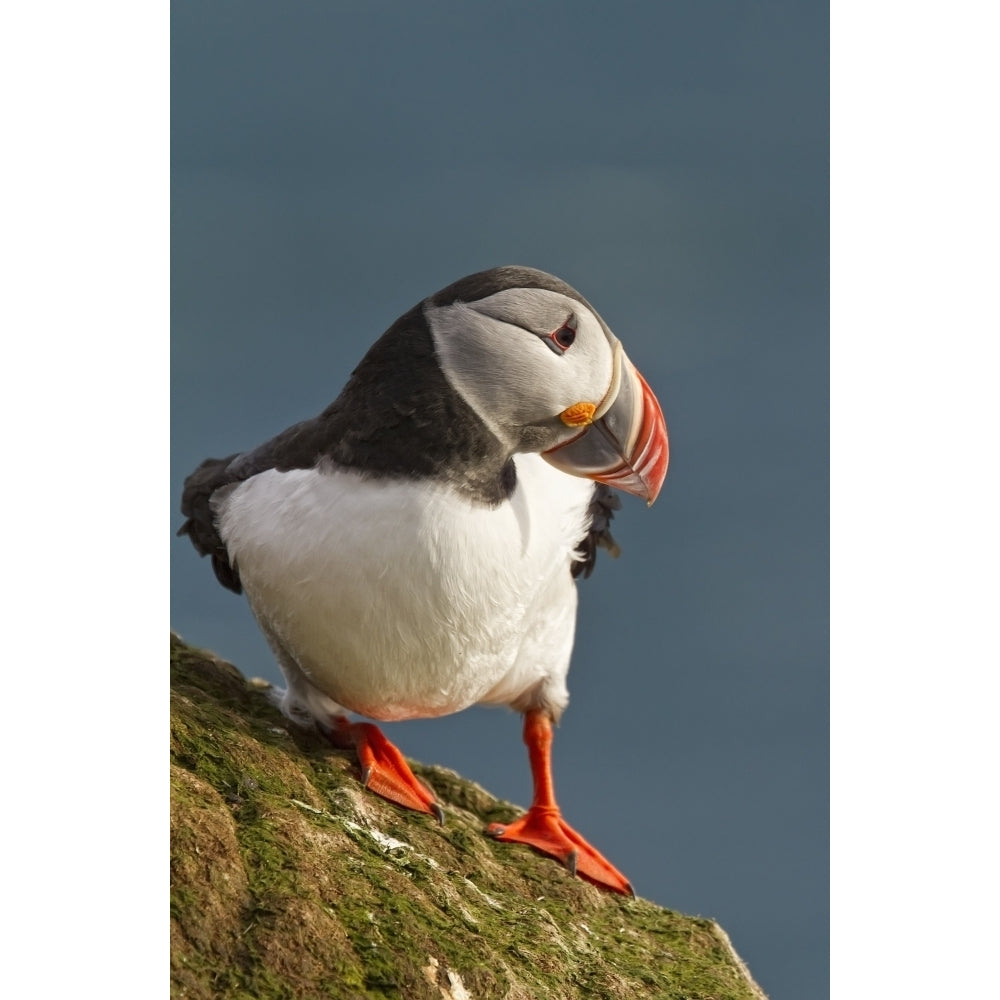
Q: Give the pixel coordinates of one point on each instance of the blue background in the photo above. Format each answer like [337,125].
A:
[332,164]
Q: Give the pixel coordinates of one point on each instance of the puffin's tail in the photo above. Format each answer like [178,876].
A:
[200,524]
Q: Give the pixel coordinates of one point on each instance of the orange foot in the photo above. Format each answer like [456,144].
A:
[543,827]
[383,768]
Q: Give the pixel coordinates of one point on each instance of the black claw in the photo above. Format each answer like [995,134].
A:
[497,831]
[366,775]
[438,813]
[571,859]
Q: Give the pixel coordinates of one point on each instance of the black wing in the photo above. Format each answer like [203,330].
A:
[298,447]
[211,475]
[397,416]
[603,504]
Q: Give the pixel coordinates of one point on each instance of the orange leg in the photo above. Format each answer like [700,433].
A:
[383,768]
[543,827]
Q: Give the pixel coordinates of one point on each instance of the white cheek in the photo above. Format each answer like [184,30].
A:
[589,365]
[581,375]
[485,362]
[512,378]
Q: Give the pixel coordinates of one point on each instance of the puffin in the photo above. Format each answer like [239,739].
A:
[415,548]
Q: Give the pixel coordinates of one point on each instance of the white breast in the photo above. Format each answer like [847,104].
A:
[400,599]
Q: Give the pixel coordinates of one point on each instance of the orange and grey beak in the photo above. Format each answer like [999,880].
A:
[624,443]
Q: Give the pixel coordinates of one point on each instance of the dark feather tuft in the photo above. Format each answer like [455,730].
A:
[603,504]
[200,525]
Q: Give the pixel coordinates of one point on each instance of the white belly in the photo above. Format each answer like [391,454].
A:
[398,600]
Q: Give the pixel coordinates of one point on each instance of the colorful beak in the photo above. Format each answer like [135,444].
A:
[626,444]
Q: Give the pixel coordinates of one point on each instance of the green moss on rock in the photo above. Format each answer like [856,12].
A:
[289,880]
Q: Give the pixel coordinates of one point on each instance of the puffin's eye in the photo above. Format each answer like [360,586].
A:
[563,337]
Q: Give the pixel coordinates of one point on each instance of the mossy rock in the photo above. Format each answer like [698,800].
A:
[289,880]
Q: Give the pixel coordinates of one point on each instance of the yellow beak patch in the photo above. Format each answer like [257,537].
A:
[578,415]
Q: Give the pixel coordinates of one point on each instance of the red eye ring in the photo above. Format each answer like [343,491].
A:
[563,337]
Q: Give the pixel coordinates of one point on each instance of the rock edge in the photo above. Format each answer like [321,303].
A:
[288,880]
